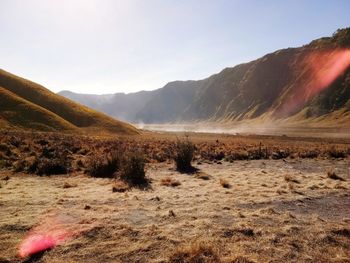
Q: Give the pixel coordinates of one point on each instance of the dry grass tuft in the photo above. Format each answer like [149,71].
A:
[334,176]
[68,185]
[168,181]
[291,179]
[224,183]
[239,259]
[202,176]
[120,187]
[199,252]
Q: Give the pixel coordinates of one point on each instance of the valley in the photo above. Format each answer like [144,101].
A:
[251,198]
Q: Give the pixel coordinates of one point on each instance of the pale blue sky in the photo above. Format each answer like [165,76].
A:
[108,46]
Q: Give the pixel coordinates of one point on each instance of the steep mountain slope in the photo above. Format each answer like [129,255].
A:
[29,105]
[292,85]
[168,103]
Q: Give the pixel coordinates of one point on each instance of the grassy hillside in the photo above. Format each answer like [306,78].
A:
[73,114]
[21,113]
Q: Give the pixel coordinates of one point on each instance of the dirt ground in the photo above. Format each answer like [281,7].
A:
[285,210]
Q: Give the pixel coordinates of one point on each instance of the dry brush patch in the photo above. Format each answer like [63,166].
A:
[21,151]
[168,181]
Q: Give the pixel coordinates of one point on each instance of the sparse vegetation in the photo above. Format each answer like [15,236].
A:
[132,169]
[197,252]
[155,225]
[337,153]
[289,178]
[224,183]
[105,166]
[128,166]
[202,176]
[183,156]
[52,166]
[92,155]
[334,176]
[120,187]
[168,181]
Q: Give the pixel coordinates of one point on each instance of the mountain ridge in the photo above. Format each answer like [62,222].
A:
[293,85]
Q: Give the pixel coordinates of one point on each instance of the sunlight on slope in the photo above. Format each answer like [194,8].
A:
[321,68]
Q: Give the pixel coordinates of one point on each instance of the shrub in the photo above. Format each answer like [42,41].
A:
[335,153]
[132,169]
[5,149]
[105,166]
[238,155]
[309,154]
[184,152]
[52,166]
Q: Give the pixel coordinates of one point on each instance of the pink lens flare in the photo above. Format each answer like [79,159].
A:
[317,71]
[36,243]
[48,234]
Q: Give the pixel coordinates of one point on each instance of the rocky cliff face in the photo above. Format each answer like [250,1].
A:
[309,82]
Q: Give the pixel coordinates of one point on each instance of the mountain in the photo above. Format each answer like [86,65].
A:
[25,104]
[120,105]
[308,84]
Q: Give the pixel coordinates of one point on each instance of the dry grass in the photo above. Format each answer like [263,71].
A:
[289,178]
[34,107]
[334,176]
[168,181]
[198,252]
[203,176]
[19,150]
[120,187]
[69,185]
[224,183]
[265,217]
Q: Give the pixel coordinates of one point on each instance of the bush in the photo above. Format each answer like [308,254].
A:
[52,166]
[184,152]
[132,169]
[105,166]
[129,167]
[309,154]
[335,153]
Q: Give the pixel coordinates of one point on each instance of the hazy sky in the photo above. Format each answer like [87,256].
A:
[108,46]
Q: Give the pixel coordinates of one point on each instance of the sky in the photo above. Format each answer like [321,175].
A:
[109,46]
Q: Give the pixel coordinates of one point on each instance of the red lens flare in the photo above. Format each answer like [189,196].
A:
[52,231]
[318,70]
